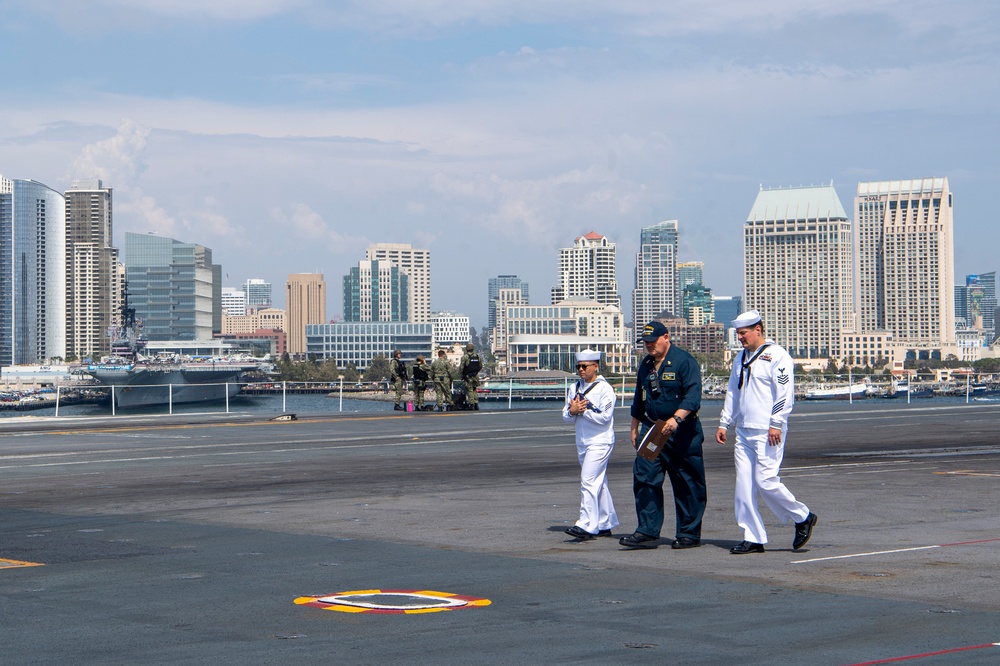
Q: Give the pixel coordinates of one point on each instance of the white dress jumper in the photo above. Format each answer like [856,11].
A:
[760,396]
[595,440]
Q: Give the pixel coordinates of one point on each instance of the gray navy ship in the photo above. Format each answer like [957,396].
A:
[140,380]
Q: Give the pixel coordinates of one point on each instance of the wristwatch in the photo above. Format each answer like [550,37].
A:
[679,419]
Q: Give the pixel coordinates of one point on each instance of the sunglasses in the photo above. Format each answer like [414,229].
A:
[580,366]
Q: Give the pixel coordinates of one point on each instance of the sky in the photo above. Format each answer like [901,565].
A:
[288,135]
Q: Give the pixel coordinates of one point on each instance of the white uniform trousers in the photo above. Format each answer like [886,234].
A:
[597,511]
[757,467]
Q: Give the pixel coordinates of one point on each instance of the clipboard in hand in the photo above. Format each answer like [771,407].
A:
[653,442]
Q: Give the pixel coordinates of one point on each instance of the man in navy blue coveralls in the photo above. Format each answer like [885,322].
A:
[668,387]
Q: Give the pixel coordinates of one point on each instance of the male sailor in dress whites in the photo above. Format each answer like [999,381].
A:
[668,389]
[759,399]
[590,406]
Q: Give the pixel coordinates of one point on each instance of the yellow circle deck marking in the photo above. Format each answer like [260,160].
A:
[14,564]
[408,602]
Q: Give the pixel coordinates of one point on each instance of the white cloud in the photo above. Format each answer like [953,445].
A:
[151,216]
[542,210]
[312,231]
[117,158]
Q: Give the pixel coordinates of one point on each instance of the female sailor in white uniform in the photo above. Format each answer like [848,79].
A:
[590,406]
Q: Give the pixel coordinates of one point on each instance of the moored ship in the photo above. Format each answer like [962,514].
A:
[138,380]
[855,391]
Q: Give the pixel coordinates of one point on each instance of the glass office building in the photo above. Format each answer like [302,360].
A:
[32,272]
[171,285]
[360,342]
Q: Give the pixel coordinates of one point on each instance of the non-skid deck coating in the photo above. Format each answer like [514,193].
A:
[189,539]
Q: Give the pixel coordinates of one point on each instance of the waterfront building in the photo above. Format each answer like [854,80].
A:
[376,291]
[32,272]
[655,275]
[548,336]
[871,348]
[416,265]
[587,270]
[266,319]
[234,303]
[93,291]
[905,262]
[172,286]
[257,294]
[360,342]
[450,328]
[305,300]
[798,270]
[493,293]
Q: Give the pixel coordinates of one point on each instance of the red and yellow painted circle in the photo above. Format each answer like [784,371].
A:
[408,602]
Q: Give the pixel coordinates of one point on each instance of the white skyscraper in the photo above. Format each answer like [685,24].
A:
[655,274]
[234,302]
[587,270]
[798,270]
[905,262]
[416,264]
[93,292]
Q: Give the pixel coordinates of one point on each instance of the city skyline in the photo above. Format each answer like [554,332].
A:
[490,133]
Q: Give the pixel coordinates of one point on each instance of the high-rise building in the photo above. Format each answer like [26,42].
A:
[976,302]
[493,292]
[655,275]
[305,301]
[32,272]
[93,292]
[416,264]
[699,308]
[905,262]
[376,291]
[506,298]
[726,309]
[258,295]
[587,270]
[798,269]
[172,286]
[688,272]
[234,302]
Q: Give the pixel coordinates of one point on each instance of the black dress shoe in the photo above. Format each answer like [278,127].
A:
[803,531]
[604,533]
[685,542]
[398,408]
[579,533]
[747,547]
[639,540]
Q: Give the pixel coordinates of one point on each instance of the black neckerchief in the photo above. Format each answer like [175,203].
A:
[579,383]
[745,365]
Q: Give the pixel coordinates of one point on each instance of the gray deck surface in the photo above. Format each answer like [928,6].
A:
[186,540]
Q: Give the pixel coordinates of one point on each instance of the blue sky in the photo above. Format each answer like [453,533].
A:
[287,135]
